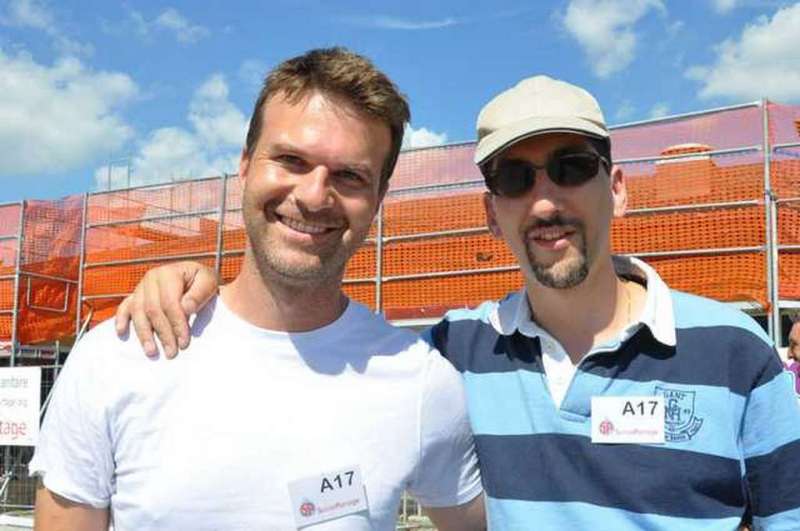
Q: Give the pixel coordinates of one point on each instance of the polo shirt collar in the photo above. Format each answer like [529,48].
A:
[514,313]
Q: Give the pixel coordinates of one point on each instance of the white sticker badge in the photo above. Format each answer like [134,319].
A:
[327,496]
[628,419]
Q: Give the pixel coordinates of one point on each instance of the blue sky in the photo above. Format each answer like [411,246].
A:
[166,88]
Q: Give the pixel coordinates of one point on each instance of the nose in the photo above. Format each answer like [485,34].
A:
[313,189]
[546,196]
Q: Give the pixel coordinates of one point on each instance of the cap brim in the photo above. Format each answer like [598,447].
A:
[499,140]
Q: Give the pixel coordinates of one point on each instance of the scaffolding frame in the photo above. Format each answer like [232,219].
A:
[382,241]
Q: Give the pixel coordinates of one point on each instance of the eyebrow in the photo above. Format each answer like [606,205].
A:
[360,168]
[279,147]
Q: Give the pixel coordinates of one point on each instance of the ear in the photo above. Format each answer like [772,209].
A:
[244,165]
[619,191]
[491,216]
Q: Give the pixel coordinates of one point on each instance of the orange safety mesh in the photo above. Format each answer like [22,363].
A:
[697,215]
[104,287]
[736,230]
[362,292]
[175,220]
[741,277]
[706,179]
[726,129]
[50,247]
[131,231]
[785,177]
[430,297]
[784,123]
[230,267]
[789,258]
[9,241]
[459,208]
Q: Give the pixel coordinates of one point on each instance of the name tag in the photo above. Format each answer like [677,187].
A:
[628,419]
[328,496]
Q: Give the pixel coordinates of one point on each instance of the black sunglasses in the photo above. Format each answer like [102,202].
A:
[513,178]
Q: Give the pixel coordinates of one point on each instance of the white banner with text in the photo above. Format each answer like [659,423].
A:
[20,397]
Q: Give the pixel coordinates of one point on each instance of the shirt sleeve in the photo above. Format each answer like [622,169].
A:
[771,444]
[447,473]
[73,455]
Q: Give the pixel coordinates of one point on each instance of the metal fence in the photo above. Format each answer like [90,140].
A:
[17,490]
[714,205]
[717,218]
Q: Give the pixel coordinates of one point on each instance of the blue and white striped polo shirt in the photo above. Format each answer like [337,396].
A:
[733,431]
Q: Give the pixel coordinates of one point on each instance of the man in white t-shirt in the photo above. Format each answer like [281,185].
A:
[293,407]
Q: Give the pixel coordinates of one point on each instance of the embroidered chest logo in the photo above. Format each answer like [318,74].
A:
[680,421]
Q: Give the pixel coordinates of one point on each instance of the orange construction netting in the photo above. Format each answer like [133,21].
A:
[785,173]
[9,241]
[697,212]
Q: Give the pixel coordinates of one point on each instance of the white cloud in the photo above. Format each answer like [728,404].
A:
[252,72]
[764,61]
[210,147]
[170,20]
[674,28]
[422,137]
[28,13]
[217,121]
[415,24]
[605,30]
[659,110]
[60,117]
[625,111]
[395,23]
[185,31]
[140,25]
[723,6]
[33,14]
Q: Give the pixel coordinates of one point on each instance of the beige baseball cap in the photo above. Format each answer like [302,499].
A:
[533,106]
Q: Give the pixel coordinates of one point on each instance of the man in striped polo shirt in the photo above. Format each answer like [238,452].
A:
[599,398]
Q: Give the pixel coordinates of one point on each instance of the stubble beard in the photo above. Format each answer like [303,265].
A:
[316,269]
[566,273]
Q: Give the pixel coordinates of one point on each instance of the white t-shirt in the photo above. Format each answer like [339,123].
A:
[211,439]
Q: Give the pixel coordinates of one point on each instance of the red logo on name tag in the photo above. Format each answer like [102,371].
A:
[307,509]
[606,427]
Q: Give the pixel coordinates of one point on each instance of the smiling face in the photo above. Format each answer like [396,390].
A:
[557,233]
[311,187]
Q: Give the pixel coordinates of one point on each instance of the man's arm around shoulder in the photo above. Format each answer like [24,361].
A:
[56,513]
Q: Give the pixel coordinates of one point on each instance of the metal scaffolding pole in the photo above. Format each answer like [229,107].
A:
[221,226]
[694,114]
[17,273]
[379,262]
[161,217]
[154,259]
[774,316]
[81,263]
[154,186]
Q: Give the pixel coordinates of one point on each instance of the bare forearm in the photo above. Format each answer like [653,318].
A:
[55,513]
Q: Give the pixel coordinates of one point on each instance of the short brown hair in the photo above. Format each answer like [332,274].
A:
[344,74]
